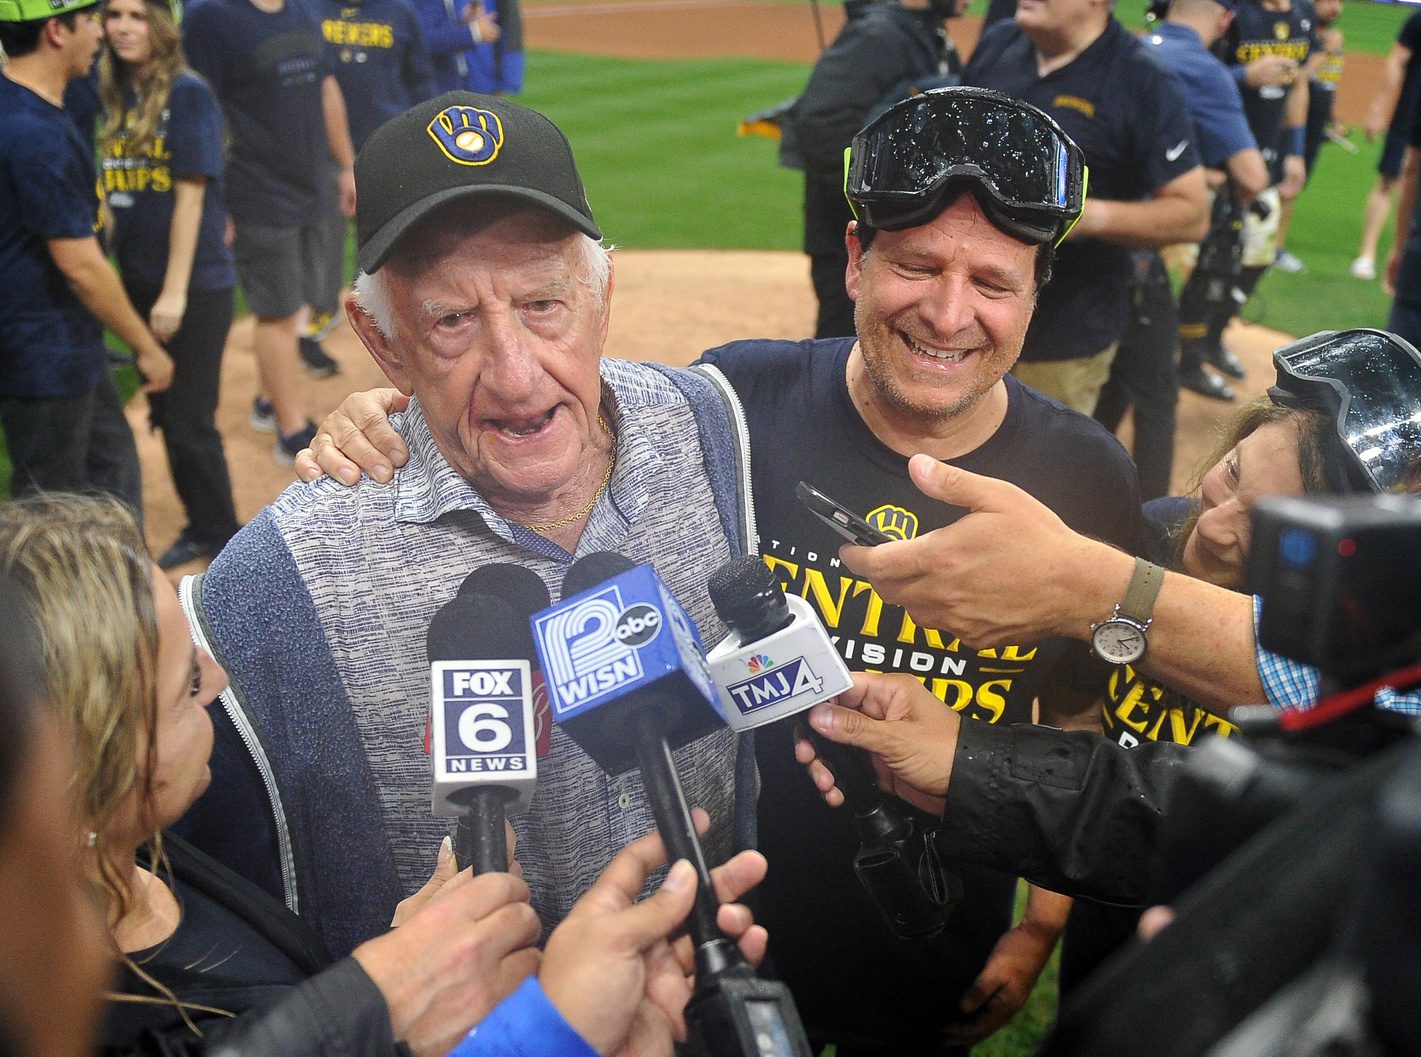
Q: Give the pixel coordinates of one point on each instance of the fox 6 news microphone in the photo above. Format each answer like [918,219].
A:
[482,736]
[627,681]
[778,661]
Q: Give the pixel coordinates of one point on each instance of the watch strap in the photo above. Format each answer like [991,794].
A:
[1145,584]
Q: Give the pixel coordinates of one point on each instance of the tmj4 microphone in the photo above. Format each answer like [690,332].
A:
[482,731]
[778,661]
[627,680]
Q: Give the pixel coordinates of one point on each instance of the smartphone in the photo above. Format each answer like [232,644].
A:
[840,518]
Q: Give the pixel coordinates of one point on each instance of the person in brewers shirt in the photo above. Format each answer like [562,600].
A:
[162,173]
[63,418]
[1072,59]
[1268,49]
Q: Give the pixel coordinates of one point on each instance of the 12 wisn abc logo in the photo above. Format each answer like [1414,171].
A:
[594,647]
[482,726]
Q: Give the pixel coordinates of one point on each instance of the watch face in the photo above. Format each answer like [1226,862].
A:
[1118,641]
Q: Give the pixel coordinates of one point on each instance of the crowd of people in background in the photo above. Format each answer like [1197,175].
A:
[236,142]
[225,135]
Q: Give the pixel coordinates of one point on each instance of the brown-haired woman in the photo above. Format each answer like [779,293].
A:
[162,150]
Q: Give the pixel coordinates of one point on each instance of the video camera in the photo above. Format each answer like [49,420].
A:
[1291,853]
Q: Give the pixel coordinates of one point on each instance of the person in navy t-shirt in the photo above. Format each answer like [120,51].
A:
[1072,59]
[380,59]
[291,157]
[63,419]
[162,175]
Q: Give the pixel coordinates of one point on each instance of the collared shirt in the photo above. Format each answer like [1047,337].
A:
[1293,686]
[378,560]
[1130,120]
[1215,106]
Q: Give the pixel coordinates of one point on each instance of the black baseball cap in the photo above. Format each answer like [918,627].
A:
[456,146]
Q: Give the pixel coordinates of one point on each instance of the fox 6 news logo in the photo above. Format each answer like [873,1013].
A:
[483,720]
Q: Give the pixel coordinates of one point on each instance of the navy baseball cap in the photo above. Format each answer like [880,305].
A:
[459,146]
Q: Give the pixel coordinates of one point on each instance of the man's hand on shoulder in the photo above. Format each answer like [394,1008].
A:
[357,436]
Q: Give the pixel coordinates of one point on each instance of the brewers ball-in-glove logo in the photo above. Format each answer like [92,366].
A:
[467,135]
[894,521]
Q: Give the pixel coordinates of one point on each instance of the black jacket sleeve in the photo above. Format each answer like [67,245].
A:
[1067,810]
[336,1013]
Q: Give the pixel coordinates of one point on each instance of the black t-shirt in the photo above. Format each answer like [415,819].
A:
[266,69]
[215,959]
[878,55]
[1258,33]
[851,980]
[1130,119]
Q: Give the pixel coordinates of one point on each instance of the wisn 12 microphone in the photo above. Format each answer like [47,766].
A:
[778,661]
[619,645]
[626,680]
[482,731]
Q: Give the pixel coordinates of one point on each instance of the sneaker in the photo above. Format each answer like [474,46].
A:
[315,360]
[1364,268]
[263,416]
[1286,262]
[289,445]
[1226,362]
[1200,381]
[185,549]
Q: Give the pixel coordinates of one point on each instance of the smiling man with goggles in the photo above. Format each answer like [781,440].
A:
[1370,381]
[912,160]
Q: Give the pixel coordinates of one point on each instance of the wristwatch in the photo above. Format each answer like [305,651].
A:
[1123,637]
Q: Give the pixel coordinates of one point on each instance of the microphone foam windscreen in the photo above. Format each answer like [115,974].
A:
[593,569]
[739,582]
[479,627]
[519,586]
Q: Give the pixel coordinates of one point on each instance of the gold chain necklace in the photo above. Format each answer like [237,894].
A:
[543,530]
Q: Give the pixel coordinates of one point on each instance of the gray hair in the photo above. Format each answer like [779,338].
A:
[372,292]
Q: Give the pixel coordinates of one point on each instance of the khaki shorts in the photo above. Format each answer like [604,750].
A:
[1075,383]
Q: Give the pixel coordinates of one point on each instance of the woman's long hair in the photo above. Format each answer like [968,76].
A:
[152,86]
[79,566]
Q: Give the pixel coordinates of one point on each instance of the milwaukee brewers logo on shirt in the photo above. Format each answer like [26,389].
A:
[1281,30]
[894,521]
[467,135]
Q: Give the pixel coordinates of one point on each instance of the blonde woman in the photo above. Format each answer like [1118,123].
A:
[209,960]
[162,150]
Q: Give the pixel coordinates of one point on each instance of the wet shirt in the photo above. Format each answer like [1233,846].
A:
[1130,120]
[853,980]
[50,346]
[139,189]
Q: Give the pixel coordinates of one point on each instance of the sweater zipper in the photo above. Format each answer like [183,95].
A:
[248,734]
[742,438]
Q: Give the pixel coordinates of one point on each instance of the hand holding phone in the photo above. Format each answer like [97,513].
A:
[840,518]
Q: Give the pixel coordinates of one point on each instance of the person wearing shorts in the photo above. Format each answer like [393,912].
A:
[290,142]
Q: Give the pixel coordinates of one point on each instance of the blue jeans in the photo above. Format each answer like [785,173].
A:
[73,444]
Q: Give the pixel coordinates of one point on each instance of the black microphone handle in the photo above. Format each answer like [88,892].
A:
[715,953]
[850,769]
[479,839]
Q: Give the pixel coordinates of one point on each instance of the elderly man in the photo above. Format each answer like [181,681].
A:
[944,284]
[484,295]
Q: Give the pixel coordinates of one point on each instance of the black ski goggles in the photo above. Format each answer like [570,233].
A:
[1025,172]
[1370,381]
